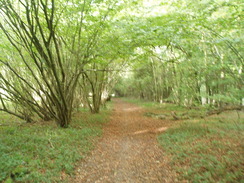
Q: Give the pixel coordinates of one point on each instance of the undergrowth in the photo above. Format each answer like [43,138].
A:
[167,108]
[203,151]
[204,148]
[143,103]
[42,152]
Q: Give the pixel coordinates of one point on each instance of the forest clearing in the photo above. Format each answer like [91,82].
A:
[121,91]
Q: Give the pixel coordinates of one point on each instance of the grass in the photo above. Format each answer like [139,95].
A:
[166,108]
[206,150]
[142,103]
[43,152]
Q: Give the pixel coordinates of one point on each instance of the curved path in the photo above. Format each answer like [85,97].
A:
[128,152]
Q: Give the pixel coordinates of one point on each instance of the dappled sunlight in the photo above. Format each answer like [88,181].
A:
[132,109]
[140,132]
[162,129]
[157,130]
[165,74]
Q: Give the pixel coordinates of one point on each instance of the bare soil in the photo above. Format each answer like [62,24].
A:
[128,152]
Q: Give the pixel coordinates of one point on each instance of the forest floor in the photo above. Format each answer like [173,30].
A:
[128,152]
[137,141]
[143,142]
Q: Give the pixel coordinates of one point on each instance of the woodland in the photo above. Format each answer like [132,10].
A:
[60,55]
[61,61]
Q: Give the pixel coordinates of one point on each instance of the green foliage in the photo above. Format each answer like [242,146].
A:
[187,52]
[180,51]
[166,108]
[143,103]
[52,45]
[41,152]
[206,151]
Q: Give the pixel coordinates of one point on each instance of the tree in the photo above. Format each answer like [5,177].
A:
[183,59]
[52,47]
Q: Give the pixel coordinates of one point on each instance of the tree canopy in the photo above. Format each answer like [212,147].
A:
[58,55]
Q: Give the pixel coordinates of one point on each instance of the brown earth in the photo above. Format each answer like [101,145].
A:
[128,152]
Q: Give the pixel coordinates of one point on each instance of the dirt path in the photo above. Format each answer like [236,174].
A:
[128,151]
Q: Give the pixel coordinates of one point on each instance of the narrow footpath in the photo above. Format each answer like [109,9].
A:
[128,152]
